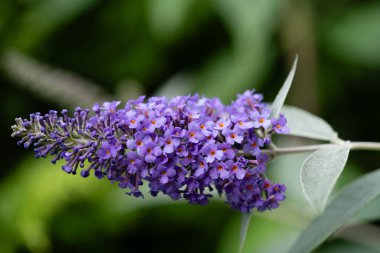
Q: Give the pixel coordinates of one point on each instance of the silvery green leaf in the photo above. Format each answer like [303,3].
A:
[281,96]
[319,173]
[370,213]
[246,218]
[305,124]
[348,202]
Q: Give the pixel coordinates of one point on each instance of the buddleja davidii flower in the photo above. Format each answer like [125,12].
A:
[279,125]
[254,191]
[181,146]
[64,137]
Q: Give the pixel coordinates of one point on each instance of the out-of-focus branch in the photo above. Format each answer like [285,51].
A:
[298,38]
[51,83]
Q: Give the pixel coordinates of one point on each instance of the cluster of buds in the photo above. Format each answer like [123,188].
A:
[184,147]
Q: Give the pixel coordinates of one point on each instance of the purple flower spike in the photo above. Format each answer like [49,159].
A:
[180,147]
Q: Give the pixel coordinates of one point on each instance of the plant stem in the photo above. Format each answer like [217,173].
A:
[246,218]
[301,149]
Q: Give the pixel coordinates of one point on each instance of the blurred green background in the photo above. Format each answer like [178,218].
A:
[57,54]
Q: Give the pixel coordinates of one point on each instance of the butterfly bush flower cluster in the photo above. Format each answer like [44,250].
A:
[184,147]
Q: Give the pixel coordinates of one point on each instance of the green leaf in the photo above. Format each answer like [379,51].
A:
[167,17]
[370,213]
[43,18]
[245,219]
[348,247]
[250,26]
[363,48]
[305,124]
[348,202]
[281,96]
[261,235]
[319,173]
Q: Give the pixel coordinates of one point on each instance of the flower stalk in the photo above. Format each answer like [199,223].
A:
[276,151]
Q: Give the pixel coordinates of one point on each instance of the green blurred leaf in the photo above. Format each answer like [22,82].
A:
[43,18]
[38,191]
[355,36]
[347,247]
[168,17]
[5,14]
[319,174]
[305,124]
[282,94]
[243,65]
[33,195]
[264,235]
[348,202]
